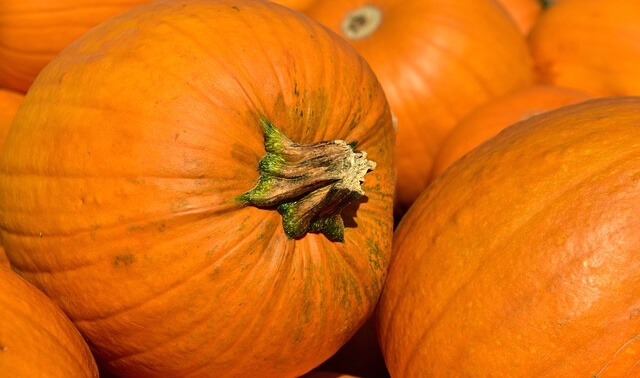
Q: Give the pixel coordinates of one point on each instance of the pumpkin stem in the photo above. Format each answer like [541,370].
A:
[309,184]
[362,22]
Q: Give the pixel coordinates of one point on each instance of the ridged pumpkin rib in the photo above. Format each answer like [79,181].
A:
[236,244]
[355,117]
[198,325]
[237,73]
[274,313]
[266,60]
[206,211]
[168,220]
[355,114]
[264,315]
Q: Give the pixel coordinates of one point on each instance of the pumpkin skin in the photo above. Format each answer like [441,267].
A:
[127,214]
[4,261]
[590,45]
[430,80]
[299,5]
[32,32]
[524,13]
[9,104]
[489,119]
[523,257]
[36,338]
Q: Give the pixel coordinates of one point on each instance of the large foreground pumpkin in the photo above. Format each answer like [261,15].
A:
[437,60]
[36,337]
[32,32]
[522,260]
[150,210]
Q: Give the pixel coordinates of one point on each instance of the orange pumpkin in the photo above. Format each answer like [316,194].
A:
[590,45]
[151,209]
[437,60]
[489,119]
[299,5]
[32,32]
[524,13]
[36,338]
[4,261]
[9,103]
[523,258]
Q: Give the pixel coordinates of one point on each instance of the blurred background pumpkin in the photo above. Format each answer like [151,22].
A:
[36,337]
[436,60]
[590,45]
[32,32]
[489,119]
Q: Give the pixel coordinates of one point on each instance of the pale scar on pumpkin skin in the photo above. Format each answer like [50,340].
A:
[310,185]
[616,354]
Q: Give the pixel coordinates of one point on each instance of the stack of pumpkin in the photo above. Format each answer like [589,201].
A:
[239,188]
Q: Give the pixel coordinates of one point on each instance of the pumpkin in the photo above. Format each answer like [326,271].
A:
[524,13]
[590,45]
[204,212]
[488,119]
[522,258]
[4,261]
[299,5]
[36,338]
[9,103]
[436,60]
[32,32]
